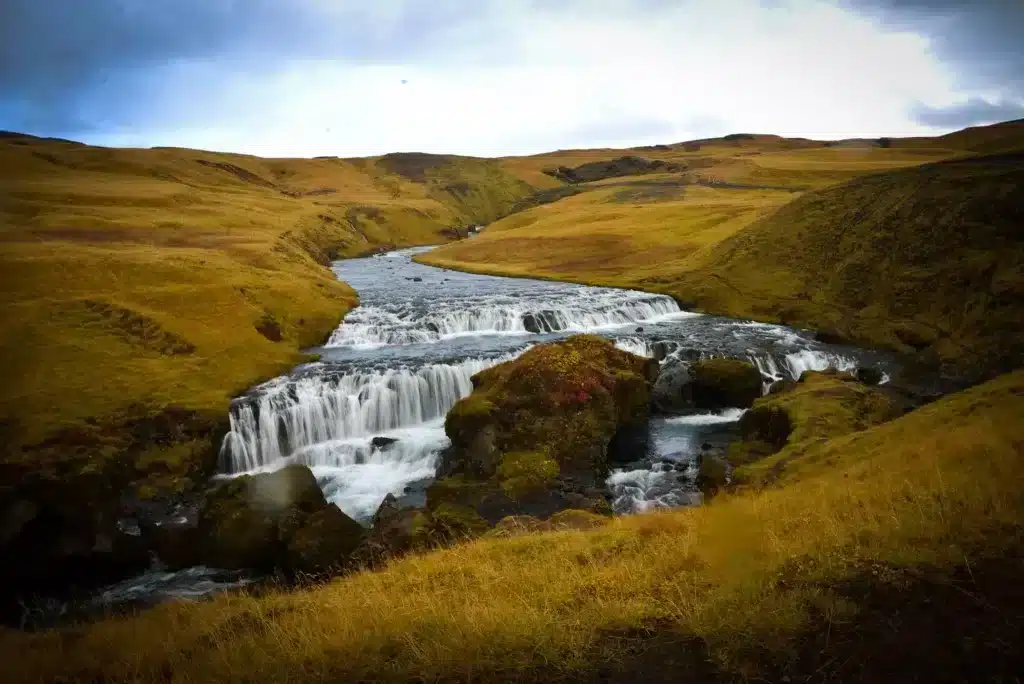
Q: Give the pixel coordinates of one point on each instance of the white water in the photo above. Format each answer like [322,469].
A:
[582,309]
[288,415]
[643,490]
[726,416]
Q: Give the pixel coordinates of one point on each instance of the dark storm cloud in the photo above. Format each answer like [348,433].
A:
[981,40]
[973,112]
[54,52]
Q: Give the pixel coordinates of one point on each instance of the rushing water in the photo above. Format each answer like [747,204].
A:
[401,359]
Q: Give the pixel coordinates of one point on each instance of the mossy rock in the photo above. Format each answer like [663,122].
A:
[276,520]
[567,399]
[523,472]
[323,541]
[724,383]
[768,423]
[450,522]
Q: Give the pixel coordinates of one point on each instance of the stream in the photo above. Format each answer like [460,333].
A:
[401,360]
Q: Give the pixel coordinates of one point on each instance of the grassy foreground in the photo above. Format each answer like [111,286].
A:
[745,581]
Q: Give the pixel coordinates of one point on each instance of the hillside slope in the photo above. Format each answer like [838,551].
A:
[908,255]
[143,283]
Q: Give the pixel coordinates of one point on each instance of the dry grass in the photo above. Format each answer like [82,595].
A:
[134,280]
[926,256]
[919,490]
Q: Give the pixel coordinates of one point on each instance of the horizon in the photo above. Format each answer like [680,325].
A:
[489,79]
[534,154]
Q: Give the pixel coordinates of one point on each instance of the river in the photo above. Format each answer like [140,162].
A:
[399,361]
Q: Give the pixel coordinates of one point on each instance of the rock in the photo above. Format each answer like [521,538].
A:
[724,383]
[274,521]
[393,532]
[538,432]
[780,386]
[830,337]
[768,424]
[713,474]
[531,323]
[662,349]
[672,391]
[868,375]
[382,443]
[322,542]
[417,279]
[639,329]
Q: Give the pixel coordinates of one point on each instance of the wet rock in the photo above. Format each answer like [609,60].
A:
[394,531]
[780,386]
[639,329]
[531,323]
[417,279]
[868,375]
[382,443]
[672,392]
[724,383]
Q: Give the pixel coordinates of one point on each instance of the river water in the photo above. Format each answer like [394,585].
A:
[399,361]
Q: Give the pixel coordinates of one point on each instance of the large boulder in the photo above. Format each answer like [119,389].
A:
[275,521]
[724,383]
[672,392]
[708,384]
[539,432]
[394,531]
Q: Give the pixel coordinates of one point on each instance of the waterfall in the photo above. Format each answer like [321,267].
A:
[290,414]
[588,309]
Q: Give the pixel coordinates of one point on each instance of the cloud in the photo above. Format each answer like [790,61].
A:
[492,77]
[979,39]
[973,112]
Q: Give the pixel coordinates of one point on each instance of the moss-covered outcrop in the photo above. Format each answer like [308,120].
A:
[536,434]
[820,407]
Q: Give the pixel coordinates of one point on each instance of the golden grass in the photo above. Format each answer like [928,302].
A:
[907,258]
[141,277]
[923,489]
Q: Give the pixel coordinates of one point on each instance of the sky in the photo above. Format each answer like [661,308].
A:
[501,77]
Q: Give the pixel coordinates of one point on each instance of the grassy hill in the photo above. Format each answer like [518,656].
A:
[138,280]
[915,245]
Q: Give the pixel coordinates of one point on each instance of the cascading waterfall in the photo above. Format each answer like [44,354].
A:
[287,415]
[587,310]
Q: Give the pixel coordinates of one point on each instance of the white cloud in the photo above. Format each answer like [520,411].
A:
[520,79]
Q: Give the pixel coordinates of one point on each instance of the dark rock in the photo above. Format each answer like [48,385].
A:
[672,391]
[417,279]
[830,337]
[639,329]
[322,541]
[868,375]
[767,424]
[706,446]
[780,386]
[532,324]
[382,442]
[724,383]
[662,349]
[275,521]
